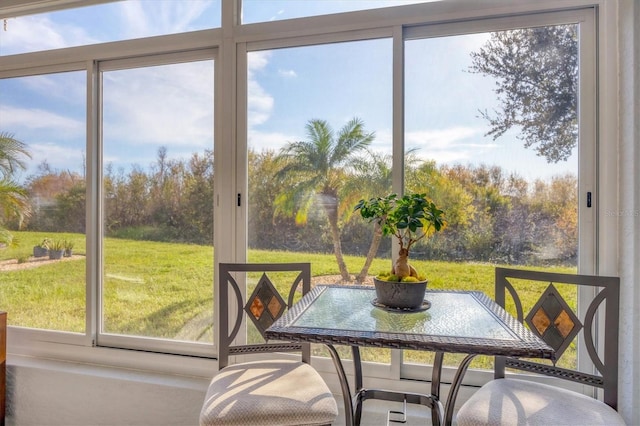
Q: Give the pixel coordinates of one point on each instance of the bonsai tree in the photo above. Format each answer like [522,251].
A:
[409,219]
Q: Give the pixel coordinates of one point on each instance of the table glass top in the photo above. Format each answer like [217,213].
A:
[456,314]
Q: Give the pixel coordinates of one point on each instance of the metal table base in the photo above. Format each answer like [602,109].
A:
[353,402]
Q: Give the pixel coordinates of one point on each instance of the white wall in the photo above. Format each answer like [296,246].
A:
[46,392]
[629,195]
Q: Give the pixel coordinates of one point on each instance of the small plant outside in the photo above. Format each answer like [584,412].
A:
[409,219]
[67,246]
[42,248]
[56,249]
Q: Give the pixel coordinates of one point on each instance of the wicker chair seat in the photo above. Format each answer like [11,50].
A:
[520,402]
[268,393]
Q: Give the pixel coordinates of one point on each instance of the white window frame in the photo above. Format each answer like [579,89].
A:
[122,340]
[588,140]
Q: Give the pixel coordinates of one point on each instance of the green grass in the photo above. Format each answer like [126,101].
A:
[165,290]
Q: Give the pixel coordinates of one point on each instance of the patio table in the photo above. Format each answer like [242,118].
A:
[466,322]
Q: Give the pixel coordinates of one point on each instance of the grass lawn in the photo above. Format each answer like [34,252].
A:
[165,290]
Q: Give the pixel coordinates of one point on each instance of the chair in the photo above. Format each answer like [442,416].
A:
[271,391]
[508,401]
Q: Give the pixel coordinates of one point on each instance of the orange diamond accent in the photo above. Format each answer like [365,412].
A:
[564,324]
[541,321]
[257,308]
[274,306]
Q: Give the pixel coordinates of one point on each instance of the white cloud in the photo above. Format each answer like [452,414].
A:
[60,157]
[448,145]
[35,118]
[37,32]
[147,18]
[69,88]
[261,141]
[287,73]
[257,61]
[277,15]
[259,103]
[168,105]
[136,19]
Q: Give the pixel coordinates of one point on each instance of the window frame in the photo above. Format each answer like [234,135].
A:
[588,140]
[103,338]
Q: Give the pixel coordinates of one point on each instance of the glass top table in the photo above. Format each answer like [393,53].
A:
[465,322]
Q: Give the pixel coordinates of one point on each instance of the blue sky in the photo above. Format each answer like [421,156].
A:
[287,87]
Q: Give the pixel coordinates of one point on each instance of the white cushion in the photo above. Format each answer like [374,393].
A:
[521,402]
[268,393]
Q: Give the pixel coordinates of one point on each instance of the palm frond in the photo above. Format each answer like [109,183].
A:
[11,153]
[14,200]
[351,141]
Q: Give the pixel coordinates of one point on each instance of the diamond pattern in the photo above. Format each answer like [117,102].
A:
[265,305]
[553,320]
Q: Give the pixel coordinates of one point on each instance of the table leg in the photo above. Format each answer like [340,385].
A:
[353,405]
[344,385]
[455,387]
[359,384]
[437,411]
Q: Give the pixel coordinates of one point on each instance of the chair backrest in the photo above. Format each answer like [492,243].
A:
[262,307]
[553,320]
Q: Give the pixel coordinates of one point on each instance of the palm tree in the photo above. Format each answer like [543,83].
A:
[13,197]
[11,151]
[13,203]
[316,169]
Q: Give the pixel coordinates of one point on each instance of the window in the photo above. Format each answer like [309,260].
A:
[120,20]
[305,173]
[261,11]
[44,202]
[493,129]
[157,138]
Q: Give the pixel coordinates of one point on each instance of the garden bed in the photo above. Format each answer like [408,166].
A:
[33,262]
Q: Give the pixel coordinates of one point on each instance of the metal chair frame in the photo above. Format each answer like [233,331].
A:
[607,292]
[229,328]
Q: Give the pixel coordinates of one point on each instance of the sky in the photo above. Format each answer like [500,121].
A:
[171,105]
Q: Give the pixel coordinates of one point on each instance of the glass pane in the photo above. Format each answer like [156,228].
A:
[120,20]
[305,173]
[158,200]
[492,120]
[263,11]
[42,198]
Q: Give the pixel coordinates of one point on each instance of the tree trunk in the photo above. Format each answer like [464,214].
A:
[332,215]
[373,249]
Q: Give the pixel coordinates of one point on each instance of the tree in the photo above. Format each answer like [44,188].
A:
[13,203]
[57,198]
[12,152]
[13,197]
[537,85]
[316,168]
[373,177]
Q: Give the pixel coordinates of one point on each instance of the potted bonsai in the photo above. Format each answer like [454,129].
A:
[409,219]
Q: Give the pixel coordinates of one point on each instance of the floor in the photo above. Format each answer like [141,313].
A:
[376,411]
